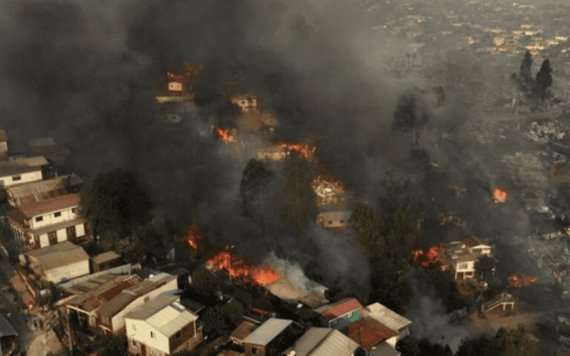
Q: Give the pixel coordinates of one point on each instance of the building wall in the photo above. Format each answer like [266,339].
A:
[118,320]
[8,181]
[64,273]
[50,218]
[140,332]
[62,235]
[3,148]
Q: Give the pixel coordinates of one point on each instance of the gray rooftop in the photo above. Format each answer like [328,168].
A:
[58,255]
[165,314]
[268,331]
[325,342]
[105,257]
[22,165]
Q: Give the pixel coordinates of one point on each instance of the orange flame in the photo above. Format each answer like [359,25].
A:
[226,135]
[237,268]
[430,257]
[193,236]
[305,151]
[499,196]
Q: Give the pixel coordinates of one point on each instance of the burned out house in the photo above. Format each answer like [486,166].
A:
[334,219]
[48,222]
[162,326]
[269,338]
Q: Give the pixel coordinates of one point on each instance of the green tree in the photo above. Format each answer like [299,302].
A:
[114,203]
[254,180]
[410,115]
[296,200]
[525,76]
[543,80]
[233,312]
[214,322]
[388,238]
[485,268]
[204,281]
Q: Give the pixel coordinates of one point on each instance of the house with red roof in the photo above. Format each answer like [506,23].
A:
[48,222]
[342,313]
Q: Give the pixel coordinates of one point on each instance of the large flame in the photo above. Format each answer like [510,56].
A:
[237,268]
[226,135]
[305,151]
[499,196]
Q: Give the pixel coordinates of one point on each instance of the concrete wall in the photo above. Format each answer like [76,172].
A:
[64,273]
[49,219]
[8,181]
[62,235]
[140,331]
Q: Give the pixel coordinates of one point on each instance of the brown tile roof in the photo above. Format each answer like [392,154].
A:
[46,206]
[369,332]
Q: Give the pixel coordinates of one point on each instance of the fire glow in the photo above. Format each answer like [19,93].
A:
[430,257]
[237,268]
[305,151]
[226,135]
[499,196]
[193,237]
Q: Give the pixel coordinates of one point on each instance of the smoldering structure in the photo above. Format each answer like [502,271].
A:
[93,88]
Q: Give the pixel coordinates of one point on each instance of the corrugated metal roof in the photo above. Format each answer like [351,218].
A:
[119,302]
[324,342]
[110,287]
[58,255]
[267,331]
[165,314]
[387,317]
[38,189]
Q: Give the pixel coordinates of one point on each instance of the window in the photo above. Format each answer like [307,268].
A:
[152,334]
[39,218]
[73,210]
[147,298]
[57,214]
[71,233]
[16,178]
[178,335]
[462,265]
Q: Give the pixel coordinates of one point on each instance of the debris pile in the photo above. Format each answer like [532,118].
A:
[546,130]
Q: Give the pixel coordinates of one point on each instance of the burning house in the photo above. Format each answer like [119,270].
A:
[247,103]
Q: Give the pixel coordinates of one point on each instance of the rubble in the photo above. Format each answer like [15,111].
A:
[521,281]
[546,130]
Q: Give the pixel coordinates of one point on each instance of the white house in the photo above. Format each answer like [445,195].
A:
[394,321]
[58,263]
[48,222]
[162,326]
[463,255]
[21,170]
[323,341]
[111,315]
